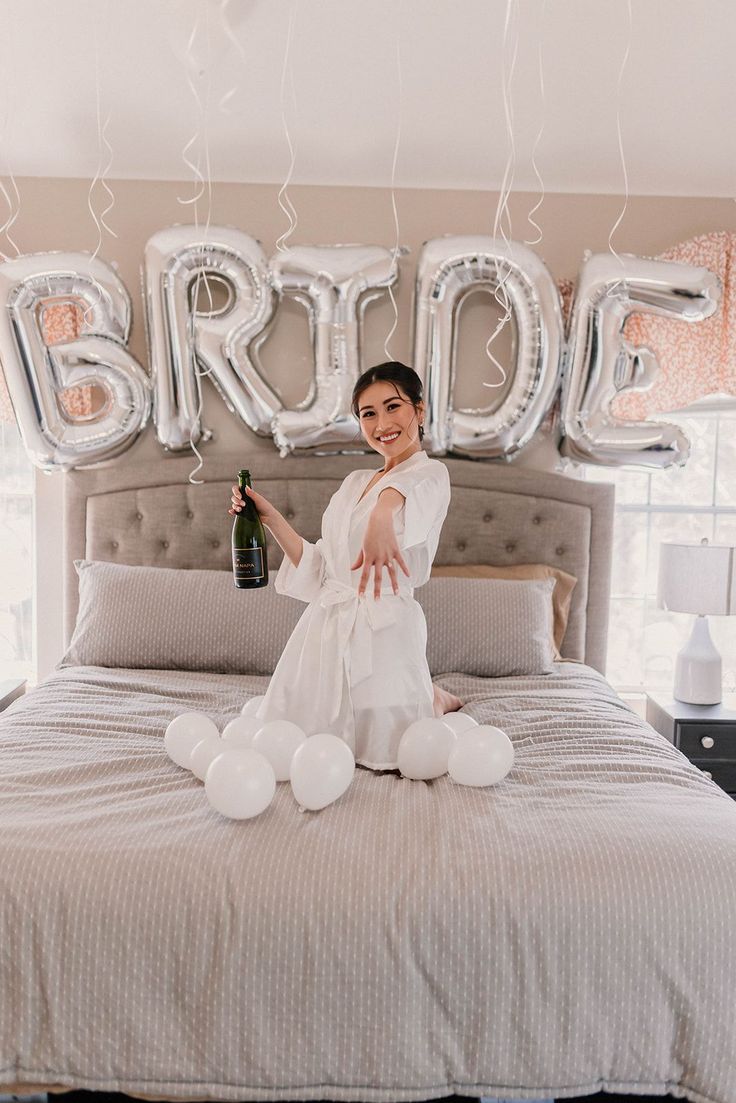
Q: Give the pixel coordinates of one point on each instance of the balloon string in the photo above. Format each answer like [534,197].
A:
[13,206]
[615,226]
[12,213]
[195,169]
[227,96]
[540,67]
[500,294]
[395,251]
[103,179]
[201,273]
[286,205]
[100,174]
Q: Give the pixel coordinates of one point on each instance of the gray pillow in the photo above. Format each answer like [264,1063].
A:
[172,619]
[489,627]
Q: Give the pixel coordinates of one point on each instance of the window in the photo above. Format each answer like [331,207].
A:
[679,503]
[16,558]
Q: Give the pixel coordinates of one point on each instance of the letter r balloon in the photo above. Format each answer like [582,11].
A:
[223,343]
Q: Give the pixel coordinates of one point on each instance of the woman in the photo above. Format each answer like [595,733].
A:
[355,664]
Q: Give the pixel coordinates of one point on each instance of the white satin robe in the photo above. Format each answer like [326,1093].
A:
[357,667]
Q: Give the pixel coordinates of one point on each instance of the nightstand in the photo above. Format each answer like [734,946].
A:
[11,688]
[705,733]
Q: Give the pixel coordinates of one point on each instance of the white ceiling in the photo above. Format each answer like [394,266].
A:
[676,104]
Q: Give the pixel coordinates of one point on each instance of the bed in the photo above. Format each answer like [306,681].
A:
[566,932]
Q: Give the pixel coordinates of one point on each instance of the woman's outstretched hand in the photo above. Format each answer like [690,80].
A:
[380,549]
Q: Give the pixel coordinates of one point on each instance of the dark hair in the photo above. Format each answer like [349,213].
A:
[391,372]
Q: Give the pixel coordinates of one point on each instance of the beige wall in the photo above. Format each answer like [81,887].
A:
[54,216]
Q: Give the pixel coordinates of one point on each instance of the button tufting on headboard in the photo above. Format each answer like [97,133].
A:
[537,517]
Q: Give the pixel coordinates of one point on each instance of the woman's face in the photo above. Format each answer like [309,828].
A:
[384,410]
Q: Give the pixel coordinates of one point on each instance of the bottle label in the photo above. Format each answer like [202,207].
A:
[248,563]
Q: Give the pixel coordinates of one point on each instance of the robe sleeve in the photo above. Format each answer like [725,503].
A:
[427,501]
[305,581]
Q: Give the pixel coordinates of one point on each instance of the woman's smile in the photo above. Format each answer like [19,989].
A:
[389,423]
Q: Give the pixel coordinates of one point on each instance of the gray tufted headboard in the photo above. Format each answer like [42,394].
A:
[151,514]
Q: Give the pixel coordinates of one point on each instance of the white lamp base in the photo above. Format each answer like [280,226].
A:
[698,675]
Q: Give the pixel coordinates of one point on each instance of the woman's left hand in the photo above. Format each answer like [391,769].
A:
[380,549]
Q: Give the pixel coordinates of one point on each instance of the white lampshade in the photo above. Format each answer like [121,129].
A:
[697,578]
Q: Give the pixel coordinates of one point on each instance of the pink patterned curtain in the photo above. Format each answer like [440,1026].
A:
[60,321]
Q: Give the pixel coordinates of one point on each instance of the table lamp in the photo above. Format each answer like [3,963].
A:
[701,579]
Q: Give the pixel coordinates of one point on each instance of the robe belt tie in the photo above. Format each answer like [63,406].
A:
[359,617]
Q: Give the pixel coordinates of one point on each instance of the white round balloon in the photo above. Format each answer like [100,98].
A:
[321,770]
[249,708]
[278,740]
[459,721]
[184,733]
[203,753]
[239,732]
[481,756]
[240,783]
[424,748]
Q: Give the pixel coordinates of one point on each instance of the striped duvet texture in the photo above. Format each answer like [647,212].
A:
[570,930]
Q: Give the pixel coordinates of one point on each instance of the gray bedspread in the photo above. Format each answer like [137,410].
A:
[570,930]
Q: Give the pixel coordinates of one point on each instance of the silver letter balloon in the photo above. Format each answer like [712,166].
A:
[37,373]
[222,342]
[600,363]
[334,283]
[449,269]
[189,337]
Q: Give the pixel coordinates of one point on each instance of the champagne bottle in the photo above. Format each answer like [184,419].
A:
[250,562]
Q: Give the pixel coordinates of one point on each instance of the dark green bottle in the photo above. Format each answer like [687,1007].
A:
[250,562]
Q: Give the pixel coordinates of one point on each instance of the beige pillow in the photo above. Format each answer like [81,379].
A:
[561,595]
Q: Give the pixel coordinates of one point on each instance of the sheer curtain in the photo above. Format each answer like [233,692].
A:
[60,321]
[680,503]
[16,556]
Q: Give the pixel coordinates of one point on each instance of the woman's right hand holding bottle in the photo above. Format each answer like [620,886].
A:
[266,511]
[285,536]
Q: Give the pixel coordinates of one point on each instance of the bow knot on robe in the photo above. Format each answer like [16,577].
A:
[351,632]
